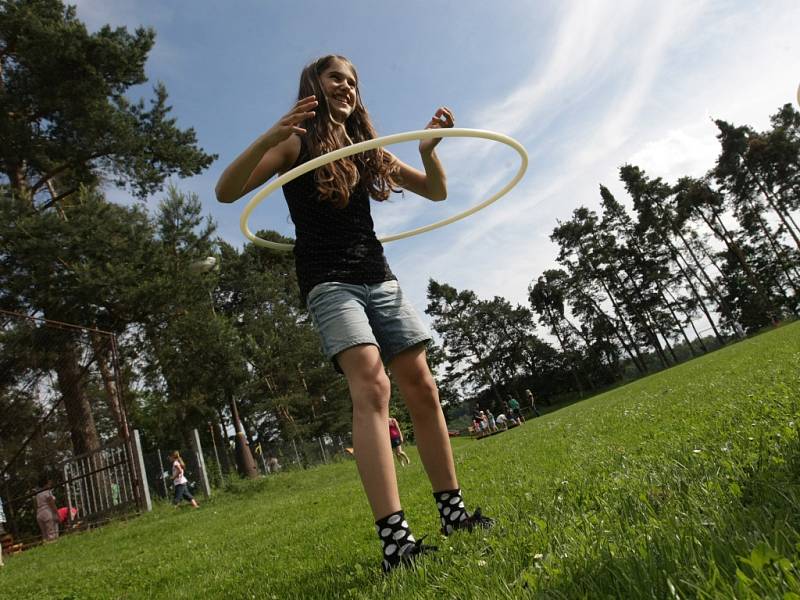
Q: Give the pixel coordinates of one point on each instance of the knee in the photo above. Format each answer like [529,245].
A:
[421,392]
[371,393]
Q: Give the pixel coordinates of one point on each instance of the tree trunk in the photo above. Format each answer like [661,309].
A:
[723,234]
[109,382]
[79,412]
[772,203]
[623,323]
[677,322]
[779,256]
[223,431]
[688,273]
[646,323]
[560,339]
[244,458]
[222,446]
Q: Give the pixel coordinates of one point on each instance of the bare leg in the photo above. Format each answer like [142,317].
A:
[402,456]
[410,369]
[370,390]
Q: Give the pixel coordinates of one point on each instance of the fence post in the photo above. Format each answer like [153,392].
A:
[296,454]
[201,463]
[216,454]
[138,459]
[161,474]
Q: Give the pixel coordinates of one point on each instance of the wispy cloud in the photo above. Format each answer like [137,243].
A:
[575,115]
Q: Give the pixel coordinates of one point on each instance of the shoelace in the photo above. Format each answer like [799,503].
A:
[408,557]
[476,519]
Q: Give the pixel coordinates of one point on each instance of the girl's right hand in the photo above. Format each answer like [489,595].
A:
[290,122]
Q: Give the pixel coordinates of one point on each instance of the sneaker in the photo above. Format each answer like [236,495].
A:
[408,554]
[473,521]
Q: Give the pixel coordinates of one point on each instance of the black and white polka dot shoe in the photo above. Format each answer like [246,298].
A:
[468,523]
[454,515]
[399,547]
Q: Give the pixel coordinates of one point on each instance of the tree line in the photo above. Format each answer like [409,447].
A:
[638,276]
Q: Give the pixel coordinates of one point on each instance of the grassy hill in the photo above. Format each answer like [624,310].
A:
[685,484]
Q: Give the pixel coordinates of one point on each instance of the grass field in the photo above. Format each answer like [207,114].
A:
[685,484]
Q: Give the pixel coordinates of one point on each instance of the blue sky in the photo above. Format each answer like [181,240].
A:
[586,86]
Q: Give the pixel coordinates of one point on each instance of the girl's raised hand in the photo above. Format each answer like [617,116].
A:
[442,119]
[290,122]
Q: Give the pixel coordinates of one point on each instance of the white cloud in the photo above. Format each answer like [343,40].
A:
[684,151]
[652,77]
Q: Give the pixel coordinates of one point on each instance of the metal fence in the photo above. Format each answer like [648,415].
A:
[89,490]
[100,484]
[303,454]
[275,456]
[62,380]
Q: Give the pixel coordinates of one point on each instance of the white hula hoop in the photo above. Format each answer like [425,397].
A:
[380,142]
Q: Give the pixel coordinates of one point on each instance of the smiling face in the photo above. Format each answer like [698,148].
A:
[339,84]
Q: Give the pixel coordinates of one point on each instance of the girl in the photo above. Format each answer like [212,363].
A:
[179,481]
[364,321]
[396,438]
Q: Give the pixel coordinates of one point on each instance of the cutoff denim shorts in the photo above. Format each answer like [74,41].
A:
[347,315]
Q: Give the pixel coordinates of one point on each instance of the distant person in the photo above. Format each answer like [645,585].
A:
[492,421]
[532,402]
[502,421]
[485,422]
[180,482]
[46,510]
[115,493]
[396,436]
[64,516]
[507,411]
[515,411]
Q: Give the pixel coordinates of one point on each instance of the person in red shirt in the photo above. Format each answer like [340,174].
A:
[397,440]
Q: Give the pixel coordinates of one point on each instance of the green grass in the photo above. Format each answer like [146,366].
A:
[685,484]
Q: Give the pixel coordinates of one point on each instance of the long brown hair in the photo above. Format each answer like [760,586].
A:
[177,456]
[335,181]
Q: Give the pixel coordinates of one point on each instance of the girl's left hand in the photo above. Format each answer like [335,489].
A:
[442,119]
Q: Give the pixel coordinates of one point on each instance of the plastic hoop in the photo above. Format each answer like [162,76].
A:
[380,142]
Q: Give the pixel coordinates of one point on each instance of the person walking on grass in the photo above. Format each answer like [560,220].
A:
[365,321]
[396,437]
[180,482]
[532,402]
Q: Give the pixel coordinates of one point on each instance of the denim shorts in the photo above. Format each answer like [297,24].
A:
[347,315]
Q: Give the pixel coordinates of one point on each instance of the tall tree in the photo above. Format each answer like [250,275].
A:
[65,123]
[94,267]
[658,222]
[698,198]
[455,318]
[65,120]
[547,298]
